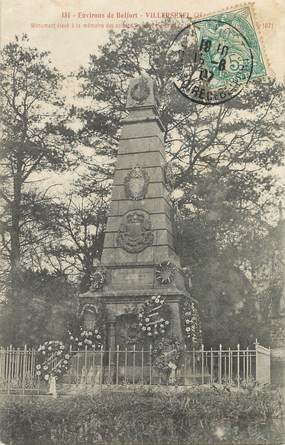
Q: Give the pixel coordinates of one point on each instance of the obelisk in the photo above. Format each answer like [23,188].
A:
[139,257]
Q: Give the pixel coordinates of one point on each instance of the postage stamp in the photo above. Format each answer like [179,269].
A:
[218,56]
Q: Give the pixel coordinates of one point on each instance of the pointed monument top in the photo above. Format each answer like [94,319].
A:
[142,93]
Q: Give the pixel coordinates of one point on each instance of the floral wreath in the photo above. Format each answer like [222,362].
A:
[47,366]
[87,339]
[165,272]
[192,324]
[167,354]
[153,317]
[54,357]
[98,278]
[90,338]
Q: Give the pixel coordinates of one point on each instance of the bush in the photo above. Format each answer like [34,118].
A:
[195,416]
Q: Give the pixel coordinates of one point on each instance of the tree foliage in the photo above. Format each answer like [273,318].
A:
[42,309]
[34,139]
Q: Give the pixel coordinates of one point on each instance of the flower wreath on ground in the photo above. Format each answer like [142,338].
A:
[154,324]
[53,360]
[153,318]
[89,338]
[167,354]
[54,357]
[192,324]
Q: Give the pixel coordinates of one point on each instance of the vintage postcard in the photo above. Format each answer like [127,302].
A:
[142,222]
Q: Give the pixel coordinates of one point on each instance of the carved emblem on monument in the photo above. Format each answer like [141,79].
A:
[135,233]
[136,183]
[98,278]
[140,91]
[165,272]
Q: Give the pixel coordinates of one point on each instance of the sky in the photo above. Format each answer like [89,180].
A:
[71,46]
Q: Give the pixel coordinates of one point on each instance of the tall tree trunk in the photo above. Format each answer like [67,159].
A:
[15,254]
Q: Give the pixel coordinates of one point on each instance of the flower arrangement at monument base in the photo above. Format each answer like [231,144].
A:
[192,324]
[53,360]
[167,354]
[86,339]
[153,318]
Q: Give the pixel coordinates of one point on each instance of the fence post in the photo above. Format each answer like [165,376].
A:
[211,366]
[24,369]
[70,370]
[134,363]
[256,358]
[2,364]
[94,373]
[185,364]
[17,366]
[142,365]
[33,365]
[85,363]
[150,364]
[220,364]
[238,357]
[117,364]
[202,350]
[10,367]
[247,356]
[225,365]
[78,355]
[126,364]
[6,369]
[194,363]
[101,367]
[230,366]
[109,365]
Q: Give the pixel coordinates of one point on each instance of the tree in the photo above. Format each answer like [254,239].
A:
[78,240]
[35,138]
[43,310]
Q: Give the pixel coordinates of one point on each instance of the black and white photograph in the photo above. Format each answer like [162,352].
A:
[142,222]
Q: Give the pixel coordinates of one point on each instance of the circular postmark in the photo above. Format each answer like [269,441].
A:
[214,61]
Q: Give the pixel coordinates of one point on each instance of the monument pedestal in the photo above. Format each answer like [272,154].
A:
[121,307]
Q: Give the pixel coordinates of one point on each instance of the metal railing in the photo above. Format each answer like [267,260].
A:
[18,370]
[133,366]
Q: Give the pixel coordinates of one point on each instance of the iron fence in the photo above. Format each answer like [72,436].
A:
[133,366]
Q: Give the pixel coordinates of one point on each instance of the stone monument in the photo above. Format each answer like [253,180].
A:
[139,258]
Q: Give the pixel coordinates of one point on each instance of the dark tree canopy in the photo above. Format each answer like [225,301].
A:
[34,140]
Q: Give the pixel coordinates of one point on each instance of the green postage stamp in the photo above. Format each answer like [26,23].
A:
[225,55]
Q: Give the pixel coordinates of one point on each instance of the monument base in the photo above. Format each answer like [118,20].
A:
[122,307]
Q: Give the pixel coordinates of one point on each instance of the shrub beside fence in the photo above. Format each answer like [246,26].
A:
[136,367]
